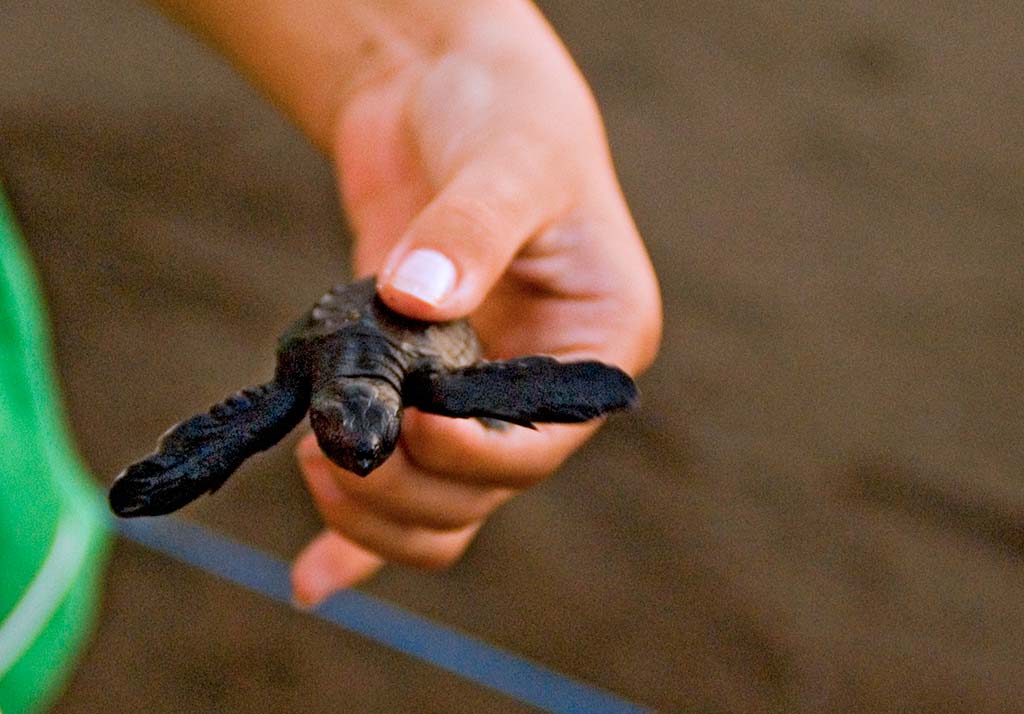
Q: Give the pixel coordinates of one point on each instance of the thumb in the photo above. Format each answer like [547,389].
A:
[462,242]
[328,564]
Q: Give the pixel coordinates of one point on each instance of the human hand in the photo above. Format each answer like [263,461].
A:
[478,182]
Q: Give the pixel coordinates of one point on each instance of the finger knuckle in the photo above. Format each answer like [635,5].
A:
[362,495]
[447,520]
[428,454]
[643,331]
[474,218]
[425,513]
[414,546]
[345,525]
[436,558]
[330,505]
[649,341]
[527,474]
[329,499]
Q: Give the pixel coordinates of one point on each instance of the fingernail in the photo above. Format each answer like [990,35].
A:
[424,274]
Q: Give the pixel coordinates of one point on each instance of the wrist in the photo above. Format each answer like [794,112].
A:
[310,57]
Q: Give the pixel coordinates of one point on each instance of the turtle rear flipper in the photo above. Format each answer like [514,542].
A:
[522,391]
[199,454]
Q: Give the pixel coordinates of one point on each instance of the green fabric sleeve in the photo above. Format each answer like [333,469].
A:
[53,528]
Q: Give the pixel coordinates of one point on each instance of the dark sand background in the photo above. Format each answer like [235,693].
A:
[820,506]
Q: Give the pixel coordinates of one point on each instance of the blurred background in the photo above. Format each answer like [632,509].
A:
[820,505]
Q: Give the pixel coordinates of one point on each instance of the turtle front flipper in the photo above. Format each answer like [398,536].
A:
[198,455]
[521,391]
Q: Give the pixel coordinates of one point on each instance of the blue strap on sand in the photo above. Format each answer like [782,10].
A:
[378,620]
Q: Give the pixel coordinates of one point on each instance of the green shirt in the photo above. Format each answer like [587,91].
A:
[52,522]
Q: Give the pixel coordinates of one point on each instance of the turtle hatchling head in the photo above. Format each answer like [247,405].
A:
[357,423]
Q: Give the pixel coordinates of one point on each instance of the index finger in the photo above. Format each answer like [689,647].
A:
[464,449]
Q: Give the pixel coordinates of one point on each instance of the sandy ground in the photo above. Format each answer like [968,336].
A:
[820,506]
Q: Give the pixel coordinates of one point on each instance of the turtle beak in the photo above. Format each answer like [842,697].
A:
[358,455]
[362,467]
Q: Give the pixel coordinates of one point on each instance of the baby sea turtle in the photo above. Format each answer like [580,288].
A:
[353,364]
